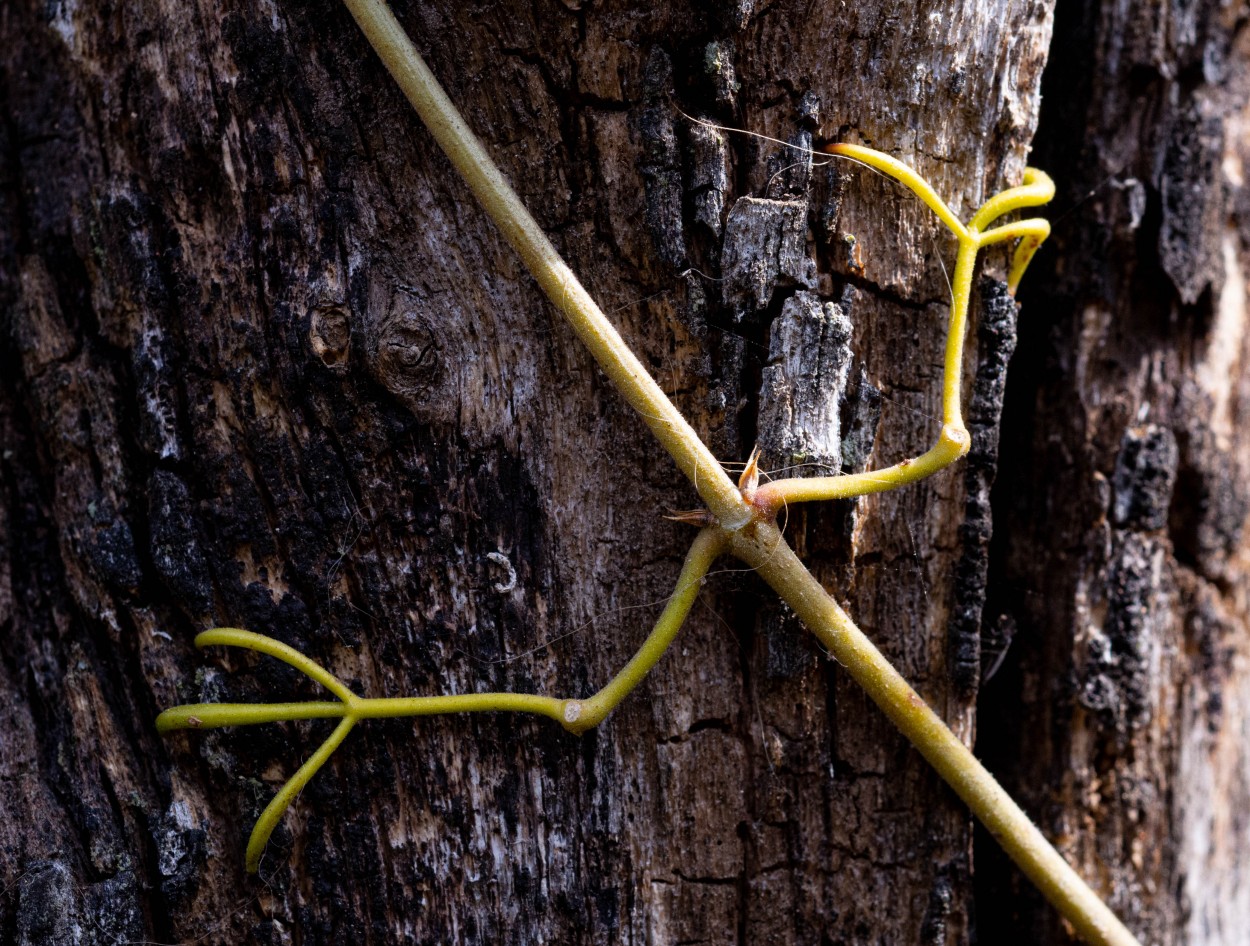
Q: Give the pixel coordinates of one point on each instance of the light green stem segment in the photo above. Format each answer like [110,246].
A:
[249,640]
[588,713]
[276,808]
[216,715]
[764,549]
[562,287]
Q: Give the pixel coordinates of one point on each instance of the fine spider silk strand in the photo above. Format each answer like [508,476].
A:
[745,523]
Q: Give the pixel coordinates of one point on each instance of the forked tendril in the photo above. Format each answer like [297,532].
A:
[953,440]
[576,715]
[349,708]
[740,519]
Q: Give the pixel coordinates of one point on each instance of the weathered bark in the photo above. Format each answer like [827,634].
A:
[1123,708]
[266,365]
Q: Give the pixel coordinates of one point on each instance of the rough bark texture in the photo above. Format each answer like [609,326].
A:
[1123,708]
[265,365]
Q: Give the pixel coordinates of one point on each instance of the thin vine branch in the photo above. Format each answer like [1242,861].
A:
[740,519]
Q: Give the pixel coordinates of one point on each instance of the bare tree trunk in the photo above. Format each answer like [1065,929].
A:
[266,365]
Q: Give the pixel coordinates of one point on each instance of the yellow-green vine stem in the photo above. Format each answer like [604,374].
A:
[741,518]
[764,548]
[953,439]
[562,287]
[585,714]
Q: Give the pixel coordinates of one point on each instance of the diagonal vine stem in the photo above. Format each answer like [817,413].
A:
[740,518]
